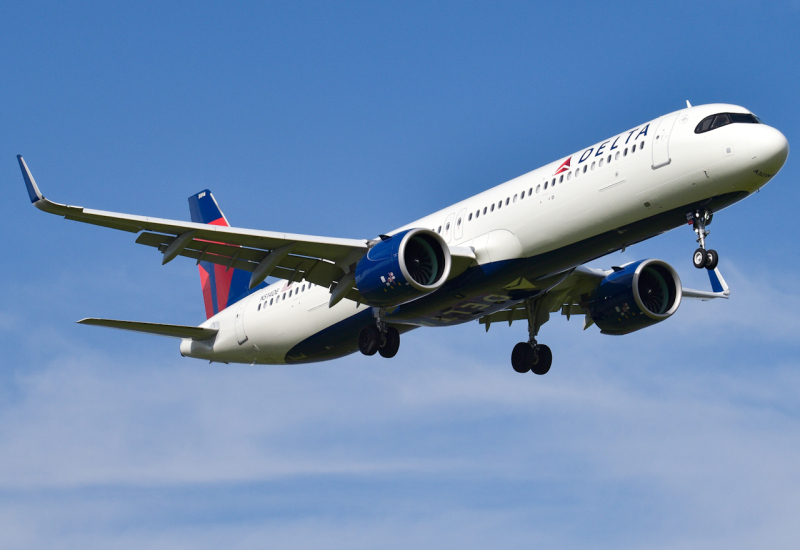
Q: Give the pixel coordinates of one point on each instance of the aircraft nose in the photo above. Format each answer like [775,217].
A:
[769,148]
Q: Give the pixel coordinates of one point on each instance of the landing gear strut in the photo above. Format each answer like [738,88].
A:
[379,338]
[530,355]
[702,257]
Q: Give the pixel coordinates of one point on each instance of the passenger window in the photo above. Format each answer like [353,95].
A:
[303,288]
[478,213]
[500,205]
[625,154]
[593,164]
[447,227]
[569,176]
[270,301]
[641,145]
[600,165]
[284,295]
[585,167]
[470,217]
[458,223]
[609,158]
[561,179]
[553,182]
[508,199]
[616,157]
[522,195]
[259,307]
[530,191]
[492,207]
[484,210]
[545,185]
[439,230]
[577,172]
[539,186]
[515,198]
[633,149]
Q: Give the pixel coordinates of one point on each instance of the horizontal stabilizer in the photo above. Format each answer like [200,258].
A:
[175,331]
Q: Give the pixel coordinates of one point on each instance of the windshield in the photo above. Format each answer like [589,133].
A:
[723,119]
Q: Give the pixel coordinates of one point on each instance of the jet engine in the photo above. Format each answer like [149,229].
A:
[403,267]
[636,296]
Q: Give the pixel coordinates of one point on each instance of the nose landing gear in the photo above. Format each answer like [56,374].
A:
[530,355]
[703,258]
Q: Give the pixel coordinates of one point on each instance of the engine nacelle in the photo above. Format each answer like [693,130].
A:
[639,295]
[404,267]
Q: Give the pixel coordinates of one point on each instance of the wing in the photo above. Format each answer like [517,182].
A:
[572,292]
[564,292]
[320,260]
[718,286]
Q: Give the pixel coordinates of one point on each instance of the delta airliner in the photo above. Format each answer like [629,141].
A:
[514,252]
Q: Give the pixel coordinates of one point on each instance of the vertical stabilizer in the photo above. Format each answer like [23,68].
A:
[221,287]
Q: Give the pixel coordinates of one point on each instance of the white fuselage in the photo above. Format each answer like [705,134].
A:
[656,167]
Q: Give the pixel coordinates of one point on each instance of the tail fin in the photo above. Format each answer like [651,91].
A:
[221,286]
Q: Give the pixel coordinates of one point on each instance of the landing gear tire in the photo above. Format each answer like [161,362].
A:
[712,259]
[369,340]
[522,357]
[391,344]
[699,259]
[544,360]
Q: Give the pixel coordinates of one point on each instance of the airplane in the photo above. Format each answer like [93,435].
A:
[514,252]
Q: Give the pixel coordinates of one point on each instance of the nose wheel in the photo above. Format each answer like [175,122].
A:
[703,258]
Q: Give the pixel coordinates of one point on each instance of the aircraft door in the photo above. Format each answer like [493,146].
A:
[447,230]
[661,141]
[239,322]
[461,219]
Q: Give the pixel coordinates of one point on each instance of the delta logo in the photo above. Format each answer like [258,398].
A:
[564,166]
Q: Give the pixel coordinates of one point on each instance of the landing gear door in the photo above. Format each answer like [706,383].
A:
[239,322]
[661,141]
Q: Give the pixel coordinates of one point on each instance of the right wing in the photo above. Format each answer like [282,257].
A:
[320,260]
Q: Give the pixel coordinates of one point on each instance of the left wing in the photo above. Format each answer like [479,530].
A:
[573,289]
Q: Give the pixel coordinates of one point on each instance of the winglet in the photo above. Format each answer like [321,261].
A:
[30,183]
[718,284]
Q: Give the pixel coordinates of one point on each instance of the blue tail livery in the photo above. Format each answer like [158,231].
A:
[221,286]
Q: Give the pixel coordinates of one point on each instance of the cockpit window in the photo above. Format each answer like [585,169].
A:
[723,119]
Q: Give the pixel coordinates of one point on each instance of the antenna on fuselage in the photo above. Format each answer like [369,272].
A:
[688,104]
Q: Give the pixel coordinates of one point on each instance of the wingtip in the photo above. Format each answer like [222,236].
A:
[718,283]
[33,189]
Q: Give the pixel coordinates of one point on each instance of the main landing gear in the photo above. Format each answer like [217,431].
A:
[531,356]
[703,258]
[379,338]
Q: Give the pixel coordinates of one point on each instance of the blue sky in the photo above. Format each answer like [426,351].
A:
[350,120]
